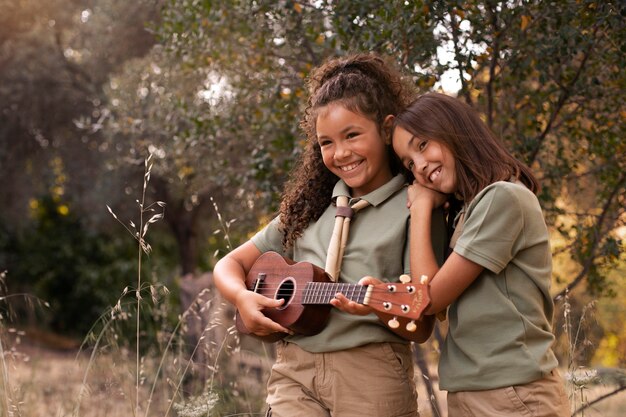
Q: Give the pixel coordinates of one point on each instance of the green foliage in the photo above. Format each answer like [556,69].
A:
[546,75]
[80,273]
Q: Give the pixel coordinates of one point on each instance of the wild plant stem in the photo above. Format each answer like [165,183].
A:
[138,290]
[158,371]
[599,399]
[217,355]
[6,388]
[180,381]
[81,393]
[137,324]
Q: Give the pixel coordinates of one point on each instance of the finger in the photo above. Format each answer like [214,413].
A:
[269,326]
[271,302]
[341,302]
[357,309]
[344,304]
[368,280]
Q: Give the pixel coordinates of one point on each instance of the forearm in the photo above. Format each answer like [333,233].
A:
[230,272]
[449,281]
[422,256]
[229,278]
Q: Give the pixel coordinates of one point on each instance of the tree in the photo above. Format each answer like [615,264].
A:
[220,99]
[55,57]
[546,76]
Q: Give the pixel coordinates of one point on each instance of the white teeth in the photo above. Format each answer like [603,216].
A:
[433,176]
[350,167]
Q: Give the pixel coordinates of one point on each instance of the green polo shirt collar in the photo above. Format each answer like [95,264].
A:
[377,196]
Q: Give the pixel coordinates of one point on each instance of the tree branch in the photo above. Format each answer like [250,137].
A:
[493,17]
[566,91]
[596,240]
[454,30]
[600,398]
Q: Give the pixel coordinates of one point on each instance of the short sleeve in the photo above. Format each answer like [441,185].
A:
[270,238]
[492,228]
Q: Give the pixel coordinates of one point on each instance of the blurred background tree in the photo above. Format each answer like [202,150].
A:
[214,90]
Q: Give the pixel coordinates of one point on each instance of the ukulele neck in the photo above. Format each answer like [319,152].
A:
[323,292]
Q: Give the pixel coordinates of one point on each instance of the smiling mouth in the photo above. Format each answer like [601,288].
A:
[435,174]
[347,168]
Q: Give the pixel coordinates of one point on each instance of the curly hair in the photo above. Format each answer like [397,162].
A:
[363,83]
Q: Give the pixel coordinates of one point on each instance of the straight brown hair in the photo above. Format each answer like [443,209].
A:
[480,156]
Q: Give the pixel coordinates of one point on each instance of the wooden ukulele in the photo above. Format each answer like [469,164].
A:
[307,291]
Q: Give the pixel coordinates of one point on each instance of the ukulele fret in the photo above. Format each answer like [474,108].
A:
[362,293]
[324,292]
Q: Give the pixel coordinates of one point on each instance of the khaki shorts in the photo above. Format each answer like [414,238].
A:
[542,398]
[373,380]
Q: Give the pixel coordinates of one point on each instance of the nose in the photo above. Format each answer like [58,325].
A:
[419,165]
[341,151]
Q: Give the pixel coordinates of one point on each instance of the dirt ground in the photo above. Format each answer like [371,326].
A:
[51,381]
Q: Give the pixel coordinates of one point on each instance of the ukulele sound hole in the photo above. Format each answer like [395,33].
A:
[285,292]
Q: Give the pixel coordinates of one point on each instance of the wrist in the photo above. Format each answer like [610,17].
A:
[420,206]
[239,296]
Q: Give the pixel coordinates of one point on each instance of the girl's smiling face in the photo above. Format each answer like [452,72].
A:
[431,162]
[353,149]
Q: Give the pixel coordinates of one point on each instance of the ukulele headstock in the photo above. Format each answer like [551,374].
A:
[403,301]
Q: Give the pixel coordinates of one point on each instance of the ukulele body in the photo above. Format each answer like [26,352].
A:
[276,277]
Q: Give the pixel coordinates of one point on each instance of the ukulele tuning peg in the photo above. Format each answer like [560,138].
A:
[424,279]
[393,323]
[405,279]
[411,326]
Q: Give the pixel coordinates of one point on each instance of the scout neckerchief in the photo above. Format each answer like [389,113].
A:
[339,237]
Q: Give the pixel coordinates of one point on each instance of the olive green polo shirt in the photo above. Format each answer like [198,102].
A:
[377,245]
[500,327]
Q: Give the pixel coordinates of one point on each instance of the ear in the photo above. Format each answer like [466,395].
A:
[387,126]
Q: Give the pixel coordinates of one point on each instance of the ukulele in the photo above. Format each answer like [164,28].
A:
[307,290]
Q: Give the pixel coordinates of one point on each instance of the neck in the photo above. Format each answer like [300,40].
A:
[323,292]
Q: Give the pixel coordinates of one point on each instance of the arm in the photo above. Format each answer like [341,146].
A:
[456,274]
[230,274]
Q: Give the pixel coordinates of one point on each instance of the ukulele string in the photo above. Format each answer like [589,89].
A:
[376,295]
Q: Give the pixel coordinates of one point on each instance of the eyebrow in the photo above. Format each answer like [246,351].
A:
[342,131]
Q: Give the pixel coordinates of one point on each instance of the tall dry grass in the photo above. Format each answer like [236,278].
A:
[156,374]
[592,392]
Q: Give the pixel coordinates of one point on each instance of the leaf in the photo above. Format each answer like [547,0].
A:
[525,21]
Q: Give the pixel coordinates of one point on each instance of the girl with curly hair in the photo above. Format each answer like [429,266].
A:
[356,366]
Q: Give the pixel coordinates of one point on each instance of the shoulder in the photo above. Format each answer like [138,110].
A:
[505,195]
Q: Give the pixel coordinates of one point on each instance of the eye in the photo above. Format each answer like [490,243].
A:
[324,142]
[422,145]
[410,166]
[351,135]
